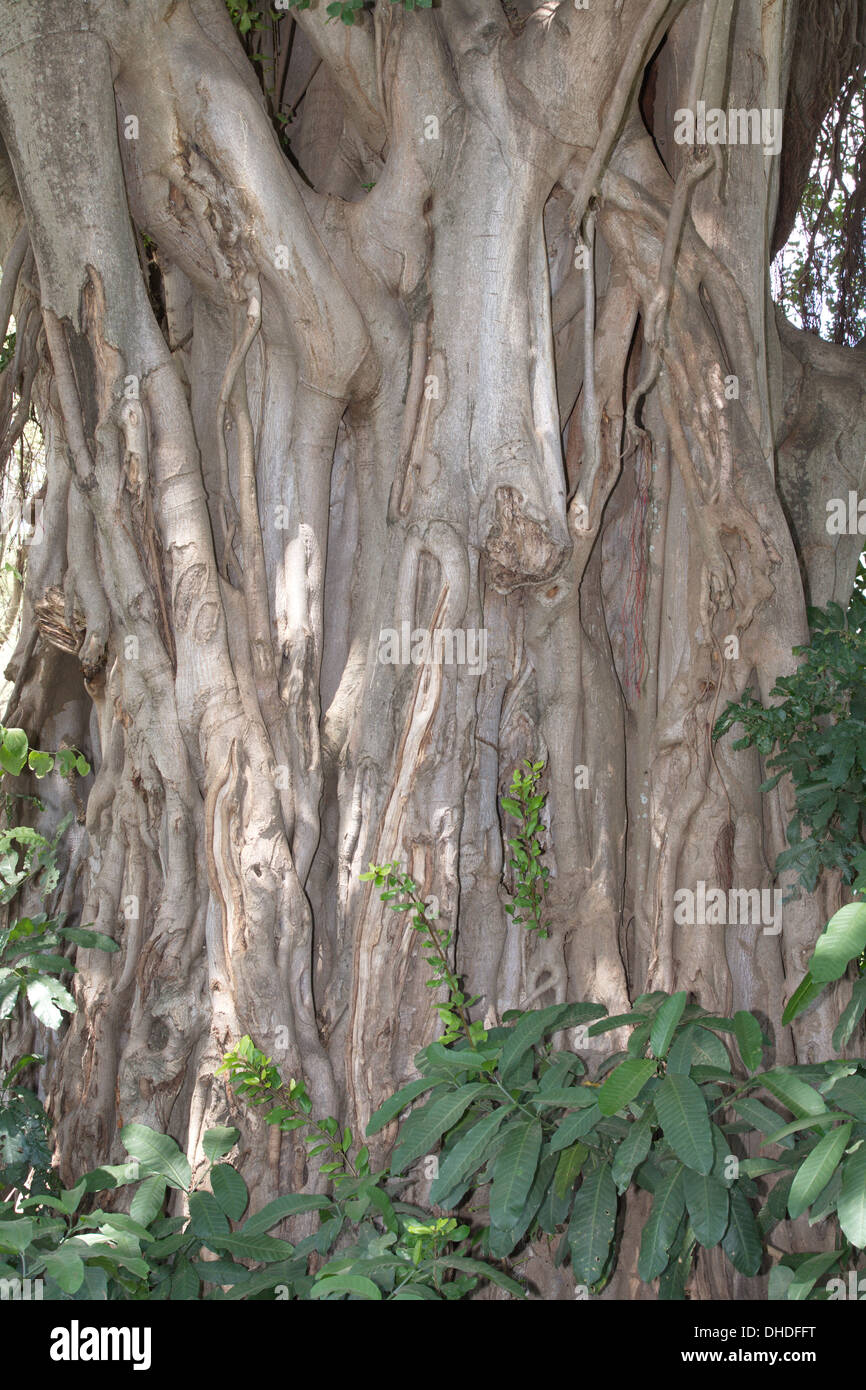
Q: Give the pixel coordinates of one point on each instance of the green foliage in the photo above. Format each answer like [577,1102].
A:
[527,1138]
[248,16]
[396,1251]
[818,728]
[525,804]
[402,895]
[31,961]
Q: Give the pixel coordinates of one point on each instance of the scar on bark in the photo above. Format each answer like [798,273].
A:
[518,549]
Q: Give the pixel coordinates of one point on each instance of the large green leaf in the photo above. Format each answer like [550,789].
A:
[843,939]
[593,1218]
[574,1127]
[289,1205]
[660,1229]
[206,1216]
[13,753]
[502,1242]
[682,1114]
[797,1094]
[90,940]
[47,998]
[698,1046]
[624,1083]
[219,1141]
[230,1190]
[254,1247]
[633,1149]
[809,1272]
[749,1039]
[17,1234]
[338,1284]
[148,1199]
[568,1168]
[851,1015]
[66,1267]
[741,1241]
[849,1093]
[707,1202]
[806,991]
[816,1171]
[665,1023]
[484,1271]
[532,1027]
[157,1153]
[425,1127]
[466,1154]
[759,1116]
[400,1099]
[514,1172]
[185,1283]
[851,1207]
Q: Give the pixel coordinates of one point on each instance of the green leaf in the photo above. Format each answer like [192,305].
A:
[206,1216]
[533,1026]
[759,1116]
[660,1229]
[467,1154]
[574,1127]
[665,1023]
[624,1083]
[219,1141]
[91,940]
[484,1271]
[854,1011]
[806,991]
[750,1040]
[46,998]
[17,1234]
[816,1171]
[591,1228]
[148,1199]
[398,1102]
[514,1172]
[66,1267]
[809,1272]
[425,1127]
[682,1114]
[798,1095]
[346,1283]
[254,1247]
[230,1190]
[40,763]
[568,1169]
[851,1206]
[281,1207]
[633,1149]
[185,1283]
[157,1153]
[707,1203]
[741,1241]
[843,939]
[13,752]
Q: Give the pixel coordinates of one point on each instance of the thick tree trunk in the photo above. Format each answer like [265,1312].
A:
[337,412]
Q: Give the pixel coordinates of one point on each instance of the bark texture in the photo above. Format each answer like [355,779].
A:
[477,348]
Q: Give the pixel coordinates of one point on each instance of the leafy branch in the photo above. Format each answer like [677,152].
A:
[525,803]
[455,1013]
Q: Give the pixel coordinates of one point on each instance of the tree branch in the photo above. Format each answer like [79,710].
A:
[350,53]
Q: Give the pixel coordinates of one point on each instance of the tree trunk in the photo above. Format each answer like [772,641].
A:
[527,394]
